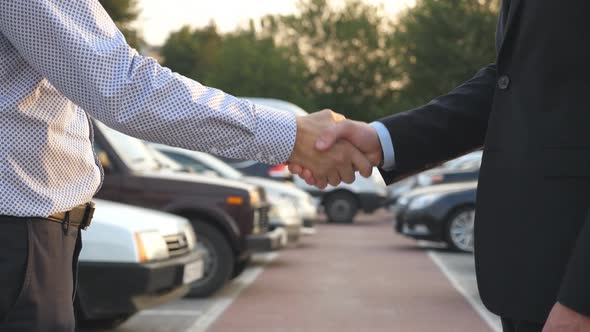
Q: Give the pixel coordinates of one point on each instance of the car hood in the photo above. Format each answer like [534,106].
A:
[442,188]
[279,187]
[196,178]
[136,219]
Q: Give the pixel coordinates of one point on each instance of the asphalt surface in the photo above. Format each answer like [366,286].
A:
[359,277]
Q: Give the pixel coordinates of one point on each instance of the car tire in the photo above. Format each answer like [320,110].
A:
[218,259]
[239,267]
[341,207]
[459,229]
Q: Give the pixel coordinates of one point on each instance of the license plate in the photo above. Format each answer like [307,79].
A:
[192,272]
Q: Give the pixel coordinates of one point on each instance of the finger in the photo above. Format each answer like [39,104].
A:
[295,169]
[322,184]
[334,179]
[307,175]
[346,173]
[361,163]
[331,135]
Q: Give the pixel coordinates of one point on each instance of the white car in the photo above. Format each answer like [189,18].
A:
[291,206]
[132,259]
[342,202]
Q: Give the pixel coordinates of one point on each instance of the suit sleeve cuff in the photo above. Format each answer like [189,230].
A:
[386,145]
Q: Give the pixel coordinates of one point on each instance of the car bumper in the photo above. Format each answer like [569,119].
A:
[113,289]
[293,227]
[419,224]
[273,240]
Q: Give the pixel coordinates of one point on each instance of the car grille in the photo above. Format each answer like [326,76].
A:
[177,245]
[263,219]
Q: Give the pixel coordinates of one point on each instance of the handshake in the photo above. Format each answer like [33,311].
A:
[329,149]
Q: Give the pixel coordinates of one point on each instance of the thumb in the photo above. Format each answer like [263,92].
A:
[331,135]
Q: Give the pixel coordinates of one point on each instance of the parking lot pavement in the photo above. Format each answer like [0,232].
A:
[359,277]
[460,270]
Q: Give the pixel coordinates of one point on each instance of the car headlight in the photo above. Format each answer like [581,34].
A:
[421,202]
[151,246]
[191,237]
[254,197]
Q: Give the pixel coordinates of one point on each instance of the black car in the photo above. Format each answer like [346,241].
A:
[230,218]
[441,213]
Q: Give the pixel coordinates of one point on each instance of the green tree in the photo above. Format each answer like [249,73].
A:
[348,53]
[439,44]
[124,13]
[243,63]
[193,53]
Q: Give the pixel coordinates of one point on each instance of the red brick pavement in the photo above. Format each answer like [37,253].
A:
[359,277]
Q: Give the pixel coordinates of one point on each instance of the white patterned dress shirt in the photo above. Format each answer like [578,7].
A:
[62,61]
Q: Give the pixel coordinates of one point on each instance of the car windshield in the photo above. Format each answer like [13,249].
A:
[165,161]
[134,153]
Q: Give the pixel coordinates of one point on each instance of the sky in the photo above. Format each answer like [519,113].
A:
[160,17]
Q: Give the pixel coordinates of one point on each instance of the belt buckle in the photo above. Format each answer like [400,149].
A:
[88,214]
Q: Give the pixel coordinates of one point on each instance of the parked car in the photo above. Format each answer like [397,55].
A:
[133,259]
[343,202]
[230,218]
[465,168]
[441,213]
[462,169]
[205,163]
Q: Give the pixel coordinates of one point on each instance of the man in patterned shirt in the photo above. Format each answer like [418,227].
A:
[63,61]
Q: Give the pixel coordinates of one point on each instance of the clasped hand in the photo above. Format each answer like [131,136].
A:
[329,149]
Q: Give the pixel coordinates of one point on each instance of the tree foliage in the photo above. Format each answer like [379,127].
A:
[351,58]
[440,44]
[243,63]
[348,53]
[124,13]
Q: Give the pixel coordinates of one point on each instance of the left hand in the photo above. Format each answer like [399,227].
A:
[563,319]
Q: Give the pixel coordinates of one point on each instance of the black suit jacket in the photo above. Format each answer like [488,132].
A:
[531,112]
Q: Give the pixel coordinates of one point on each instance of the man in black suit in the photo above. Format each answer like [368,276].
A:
[531,112]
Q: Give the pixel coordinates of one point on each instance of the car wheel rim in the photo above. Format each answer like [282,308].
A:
[209,260]
[461,230]
[340,209]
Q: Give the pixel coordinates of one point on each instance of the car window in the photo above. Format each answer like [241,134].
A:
[131,150]
[188,162]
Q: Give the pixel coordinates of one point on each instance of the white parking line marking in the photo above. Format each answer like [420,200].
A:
[225,299]
[189,313]
[492,320]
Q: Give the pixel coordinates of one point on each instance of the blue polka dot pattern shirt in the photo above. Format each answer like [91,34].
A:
[63,61]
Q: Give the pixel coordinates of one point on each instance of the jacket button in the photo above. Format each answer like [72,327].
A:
[503,82]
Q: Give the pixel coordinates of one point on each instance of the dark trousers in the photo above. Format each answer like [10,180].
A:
[38,267]
[512,325]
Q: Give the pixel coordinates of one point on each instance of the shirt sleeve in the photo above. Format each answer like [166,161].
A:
[386,145]
[76,46]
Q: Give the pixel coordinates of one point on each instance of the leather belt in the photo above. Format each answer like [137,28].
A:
[79,216]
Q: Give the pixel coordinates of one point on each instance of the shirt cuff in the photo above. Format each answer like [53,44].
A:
[275,136]
[386,145]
